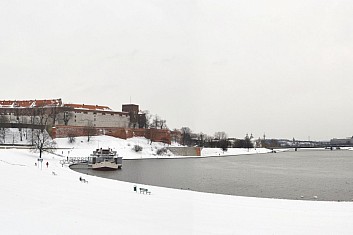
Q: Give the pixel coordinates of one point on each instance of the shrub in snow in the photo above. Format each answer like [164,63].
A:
[162,151]
[72,138]
[137,148]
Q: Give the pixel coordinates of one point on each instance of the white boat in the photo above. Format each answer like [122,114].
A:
[106,159]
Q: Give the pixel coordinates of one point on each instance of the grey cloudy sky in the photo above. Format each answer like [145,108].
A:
[278,67]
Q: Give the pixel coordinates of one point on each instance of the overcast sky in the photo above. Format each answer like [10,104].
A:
[278,67]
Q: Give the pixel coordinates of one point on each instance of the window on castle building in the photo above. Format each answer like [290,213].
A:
[103,113]
[85,112]
[112,114]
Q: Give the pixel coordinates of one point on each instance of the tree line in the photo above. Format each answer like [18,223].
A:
[218,140]
[34,125]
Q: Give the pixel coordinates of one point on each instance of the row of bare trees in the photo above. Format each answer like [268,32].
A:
[152,121]
[3,130]
[40,137]
[37,122]
[218,140]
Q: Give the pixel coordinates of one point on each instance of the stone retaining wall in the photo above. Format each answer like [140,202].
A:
[185,151]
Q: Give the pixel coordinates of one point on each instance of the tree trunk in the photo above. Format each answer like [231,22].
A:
[40,150]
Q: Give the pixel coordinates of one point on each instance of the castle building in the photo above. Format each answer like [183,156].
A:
[78,119]
[137,119]
[93,115]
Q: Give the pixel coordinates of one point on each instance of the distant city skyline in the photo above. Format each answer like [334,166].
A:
[280,68]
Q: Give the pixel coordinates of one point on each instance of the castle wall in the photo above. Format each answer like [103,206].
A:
[95,119]
[185,151]
[156,135]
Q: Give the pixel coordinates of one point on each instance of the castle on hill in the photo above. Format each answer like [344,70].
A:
[66,119]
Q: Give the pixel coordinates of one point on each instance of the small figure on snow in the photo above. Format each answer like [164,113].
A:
[47,164]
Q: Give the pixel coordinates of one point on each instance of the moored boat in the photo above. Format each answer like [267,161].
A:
[106,159]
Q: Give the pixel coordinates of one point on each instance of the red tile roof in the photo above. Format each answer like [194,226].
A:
[88,107]
[30,103]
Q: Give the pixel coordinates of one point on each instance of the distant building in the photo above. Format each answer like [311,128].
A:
[342,142]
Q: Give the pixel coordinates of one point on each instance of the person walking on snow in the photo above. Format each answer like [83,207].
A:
[47,164]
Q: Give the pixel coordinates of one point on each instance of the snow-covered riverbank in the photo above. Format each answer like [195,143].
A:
[82,148]
[35,201]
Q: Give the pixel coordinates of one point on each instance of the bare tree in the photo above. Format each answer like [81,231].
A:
[42,116]
[72,137]
[89,130]
[3,129]
[17,114]
[186,136]
[221,135]
[145,119]
[32,115]
[42,141]
[155,121]
[23,121]
[163,124]
[158,123]
[175,136]
[142,121]
[40,138]
[53,113]
[67,116]
[201,139]
[209,142]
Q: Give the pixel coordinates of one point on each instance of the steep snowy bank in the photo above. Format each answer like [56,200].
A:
[82,148]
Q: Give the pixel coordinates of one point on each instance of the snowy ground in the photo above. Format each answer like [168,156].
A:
[35,201]
[82,148]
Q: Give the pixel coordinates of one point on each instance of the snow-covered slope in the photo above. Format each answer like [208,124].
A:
[82,148]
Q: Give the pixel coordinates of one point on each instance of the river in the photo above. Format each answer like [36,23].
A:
[305,175]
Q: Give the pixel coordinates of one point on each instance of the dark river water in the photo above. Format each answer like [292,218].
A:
[305,174]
